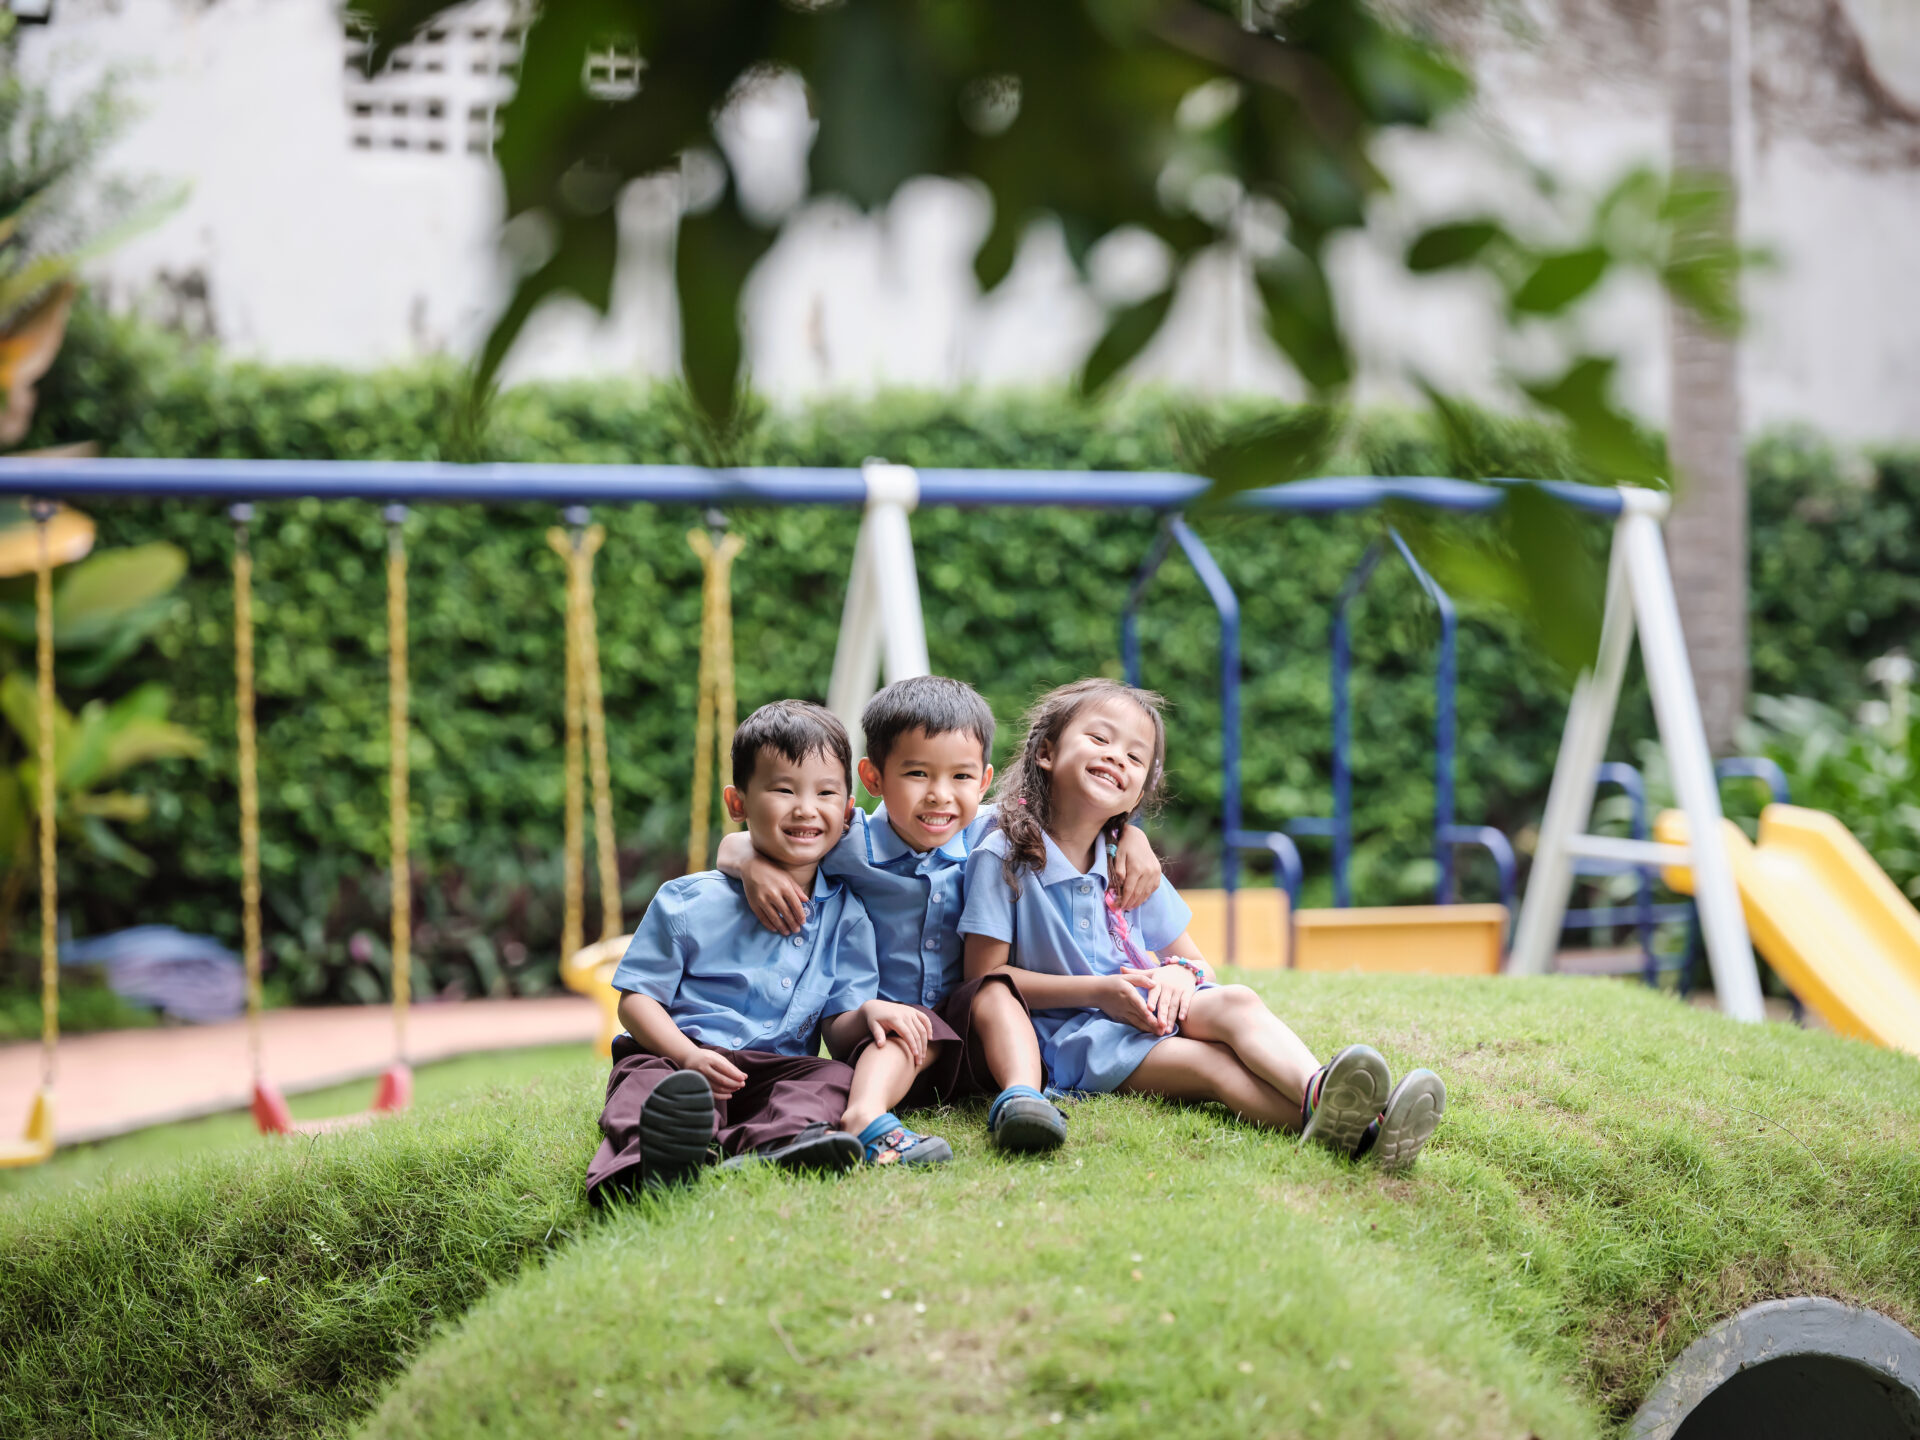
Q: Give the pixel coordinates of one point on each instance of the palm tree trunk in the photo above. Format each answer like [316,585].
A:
[1706,43]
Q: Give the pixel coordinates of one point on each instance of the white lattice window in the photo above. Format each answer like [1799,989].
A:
[612,71]
[441,92]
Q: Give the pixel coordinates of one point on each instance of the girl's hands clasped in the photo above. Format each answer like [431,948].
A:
[1128,998]
[1172,994]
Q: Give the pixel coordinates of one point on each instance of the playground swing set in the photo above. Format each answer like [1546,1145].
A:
[1867,982]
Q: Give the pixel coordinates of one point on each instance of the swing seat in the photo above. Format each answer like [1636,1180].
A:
[36,1145]
[589,971]
[270,1113]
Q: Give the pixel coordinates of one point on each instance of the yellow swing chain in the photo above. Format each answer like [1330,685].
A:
[713,726]
[397,802]
[586,740]
[243,702]
[43,512]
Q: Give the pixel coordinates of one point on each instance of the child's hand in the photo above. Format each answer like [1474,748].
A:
[884,1017]
[774,896]
[1173,987]
[1135,869]
[722,1074]
[1124,1001]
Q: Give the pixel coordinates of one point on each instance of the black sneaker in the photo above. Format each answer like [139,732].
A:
[1412,1115]
[676,1127]
[1344,1096]
[901,1146]
[814,1148]
[1022,1119]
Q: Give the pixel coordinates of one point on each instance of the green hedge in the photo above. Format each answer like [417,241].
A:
[1017,600]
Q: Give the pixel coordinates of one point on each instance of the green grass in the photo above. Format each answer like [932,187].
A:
[1616,1173]
[165,1147]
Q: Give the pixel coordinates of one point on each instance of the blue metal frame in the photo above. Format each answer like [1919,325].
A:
[1226,604]
[1446,834]
[425,481]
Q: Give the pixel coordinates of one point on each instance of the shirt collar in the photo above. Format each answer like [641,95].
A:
[1059,868]
[884,844]
[822,886]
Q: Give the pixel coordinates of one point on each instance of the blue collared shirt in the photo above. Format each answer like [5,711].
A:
[914,899]
[1058,926]
[731,983]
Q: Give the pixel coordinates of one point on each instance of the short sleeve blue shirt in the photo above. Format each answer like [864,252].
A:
[914,899]
[1058,926]
[731,983]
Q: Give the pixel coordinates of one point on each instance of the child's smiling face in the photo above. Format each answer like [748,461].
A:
[1102,760]
[795,810]
[932,784]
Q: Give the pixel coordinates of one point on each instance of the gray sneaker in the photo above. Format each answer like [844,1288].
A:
[1344,1096]
[1412,1115]
[816,1148]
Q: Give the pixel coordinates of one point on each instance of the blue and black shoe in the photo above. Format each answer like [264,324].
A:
[888,1142]
[1024,1120]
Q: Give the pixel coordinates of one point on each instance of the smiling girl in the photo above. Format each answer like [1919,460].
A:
[1123,999]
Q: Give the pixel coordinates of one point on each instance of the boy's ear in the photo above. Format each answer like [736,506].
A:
[870,776]
[986,778]
[736,805]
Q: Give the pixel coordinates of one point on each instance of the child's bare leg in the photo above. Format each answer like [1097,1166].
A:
[1007,1040]
[1234,1016]
[1184,1069]
[881,1078]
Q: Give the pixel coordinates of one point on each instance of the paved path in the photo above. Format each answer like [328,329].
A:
[124,1080]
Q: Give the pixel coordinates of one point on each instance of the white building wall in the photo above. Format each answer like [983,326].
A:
[315,248]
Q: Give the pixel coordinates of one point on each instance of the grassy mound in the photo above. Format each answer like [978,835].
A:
[1616,1172]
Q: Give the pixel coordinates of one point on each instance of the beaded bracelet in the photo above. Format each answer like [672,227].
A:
[1199,975]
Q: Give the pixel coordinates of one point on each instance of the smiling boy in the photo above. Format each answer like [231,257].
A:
[928,742]
[724,1017]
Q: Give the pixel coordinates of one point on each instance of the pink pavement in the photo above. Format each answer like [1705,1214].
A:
[122,1080]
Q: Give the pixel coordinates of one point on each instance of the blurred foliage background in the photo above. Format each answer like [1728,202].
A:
[1017,600]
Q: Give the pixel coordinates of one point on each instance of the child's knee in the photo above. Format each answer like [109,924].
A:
[1237,998]
[995,1004]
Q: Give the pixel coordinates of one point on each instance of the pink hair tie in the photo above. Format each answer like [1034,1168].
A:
[1022,800]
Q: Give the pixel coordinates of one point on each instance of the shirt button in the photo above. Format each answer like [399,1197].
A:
[1085,923]
[933,944]
[1085,889]
[799,940]
[786,984]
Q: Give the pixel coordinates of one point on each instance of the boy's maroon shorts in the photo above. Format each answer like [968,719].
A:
[959,1071]
[784,1094]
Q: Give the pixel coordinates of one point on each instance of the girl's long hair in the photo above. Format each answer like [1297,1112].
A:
[1025,792]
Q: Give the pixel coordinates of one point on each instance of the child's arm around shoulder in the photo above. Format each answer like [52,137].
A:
[774,897]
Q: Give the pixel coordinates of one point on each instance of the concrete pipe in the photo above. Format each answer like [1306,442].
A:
[1799,1369]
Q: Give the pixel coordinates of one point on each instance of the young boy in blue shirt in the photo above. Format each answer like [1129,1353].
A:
[724,1017]
[928,741]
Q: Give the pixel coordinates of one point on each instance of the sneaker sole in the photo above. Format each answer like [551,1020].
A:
[1413,1114]
[1352,1098]
[1030,1126]
[676,1126]
[832,1151]
[931,1150]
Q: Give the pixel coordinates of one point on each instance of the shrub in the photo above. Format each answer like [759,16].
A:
[1016,600]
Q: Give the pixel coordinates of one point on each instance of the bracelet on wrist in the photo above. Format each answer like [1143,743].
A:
[1199,975]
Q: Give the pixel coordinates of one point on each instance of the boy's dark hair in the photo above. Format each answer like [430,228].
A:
[932,703]
[795,729]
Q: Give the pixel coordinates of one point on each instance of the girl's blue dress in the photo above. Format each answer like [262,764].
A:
[1058,926]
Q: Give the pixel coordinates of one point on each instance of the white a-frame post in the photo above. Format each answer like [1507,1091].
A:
[1639,590]
[882,625]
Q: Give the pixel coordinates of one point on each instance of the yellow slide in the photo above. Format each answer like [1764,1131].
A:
[1827,918]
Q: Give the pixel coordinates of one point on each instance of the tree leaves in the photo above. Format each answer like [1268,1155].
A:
[1445,247]
[1126,336]
[1606,437]
[1560,279]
